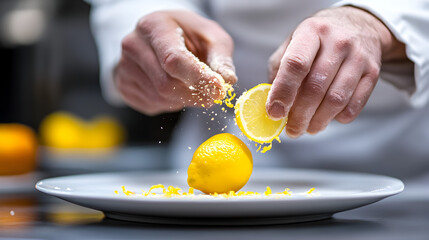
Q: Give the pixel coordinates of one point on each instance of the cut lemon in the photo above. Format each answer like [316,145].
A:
[252,118]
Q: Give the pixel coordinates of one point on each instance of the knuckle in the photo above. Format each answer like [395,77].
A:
[284,90]
[373,71]
[336,98]
[170,61]
[293,131]
[314,88]
[147,23]
[297,63]
[347,115]
[321,27]
[343,44]
[315,127]
[128,43]
[359,58]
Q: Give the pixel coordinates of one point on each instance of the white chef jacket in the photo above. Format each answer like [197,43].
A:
[390,136]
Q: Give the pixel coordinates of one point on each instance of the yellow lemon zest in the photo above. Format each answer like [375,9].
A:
[172,191]
[267,148]
[127,192]
[228,97]
[268,192]
[285,192]
[155,187]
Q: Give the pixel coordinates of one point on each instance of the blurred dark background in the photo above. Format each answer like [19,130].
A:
[49,62]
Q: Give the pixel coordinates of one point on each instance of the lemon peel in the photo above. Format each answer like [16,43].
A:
[221,164]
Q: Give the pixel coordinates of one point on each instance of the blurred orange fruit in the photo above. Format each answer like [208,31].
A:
[18,149]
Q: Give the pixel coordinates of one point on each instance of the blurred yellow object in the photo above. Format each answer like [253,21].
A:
[18,149]
[104,132]
[64,130]
[221,164]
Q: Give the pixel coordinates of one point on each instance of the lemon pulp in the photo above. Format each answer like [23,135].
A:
[252,118]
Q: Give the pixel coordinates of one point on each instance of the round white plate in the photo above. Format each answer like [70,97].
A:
[334,192]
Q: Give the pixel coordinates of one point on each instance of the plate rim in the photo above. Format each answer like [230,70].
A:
[378,194]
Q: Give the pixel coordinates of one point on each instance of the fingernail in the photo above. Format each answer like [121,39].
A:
[277,110]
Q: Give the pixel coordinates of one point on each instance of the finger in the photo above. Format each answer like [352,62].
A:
[313,89]
[135,87]
[337,96]
[134,95]
[136,48]
[168,42]
[223,64]
[294,67]
[219,54]
[169,90]
[359,99]
[274,61]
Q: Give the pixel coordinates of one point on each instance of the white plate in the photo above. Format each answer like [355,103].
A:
[334,192]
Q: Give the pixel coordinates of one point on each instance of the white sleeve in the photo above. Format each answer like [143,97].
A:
[409,23]
[112,20]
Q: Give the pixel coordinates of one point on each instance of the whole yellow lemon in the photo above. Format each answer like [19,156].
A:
[221,164]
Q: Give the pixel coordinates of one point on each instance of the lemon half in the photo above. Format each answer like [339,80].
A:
[252,118]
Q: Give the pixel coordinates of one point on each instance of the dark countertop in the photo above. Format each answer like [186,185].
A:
[38,216]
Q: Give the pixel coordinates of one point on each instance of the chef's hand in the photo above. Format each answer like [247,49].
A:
[328,68]
[163,63]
